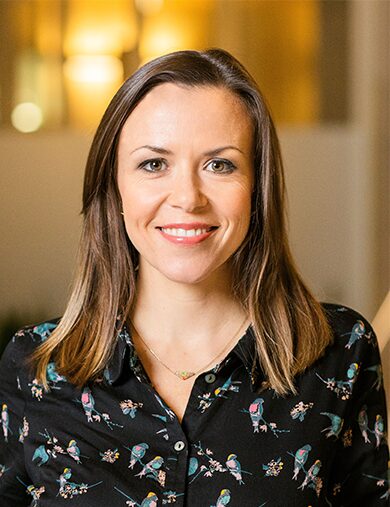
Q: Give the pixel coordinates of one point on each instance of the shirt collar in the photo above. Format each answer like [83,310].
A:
[245,350]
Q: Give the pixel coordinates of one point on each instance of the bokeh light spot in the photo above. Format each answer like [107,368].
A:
[27,117]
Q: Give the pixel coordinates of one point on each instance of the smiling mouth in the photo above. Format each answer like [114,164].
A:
[184,233]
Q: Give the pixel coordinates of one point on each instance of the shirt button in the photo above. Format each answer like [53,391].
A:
[210,378]
[179,446]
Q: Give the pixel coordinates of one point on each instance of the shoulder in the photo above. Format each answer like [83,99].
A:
[25,341]
[353,335]
[344,320]
[352,360]
[354,348]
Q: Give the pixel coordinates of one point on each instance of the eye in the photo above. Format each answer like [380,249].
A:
[221,165]
[153,165]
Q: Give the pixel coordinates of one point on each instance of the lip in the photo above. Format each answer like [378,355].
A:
[188,226]
[187,240]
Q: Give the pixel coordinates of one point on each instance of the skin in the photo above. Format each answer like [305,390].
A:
[182,291]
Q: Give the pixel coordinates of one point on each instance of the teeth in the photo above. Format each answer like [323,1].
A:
[183,232]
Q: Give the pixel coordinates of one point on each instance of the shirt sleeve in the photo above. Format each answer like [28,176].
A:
[14,427]
[361,463]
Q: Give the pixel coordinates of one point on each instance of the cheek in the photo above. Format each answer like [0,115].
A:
[240,208]
[136,200]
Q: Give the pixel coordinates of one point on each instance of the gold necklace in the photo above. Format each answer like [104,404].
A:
[185,374]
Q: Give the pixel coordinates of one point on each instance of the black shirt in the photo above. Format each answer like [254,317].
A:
[116,443]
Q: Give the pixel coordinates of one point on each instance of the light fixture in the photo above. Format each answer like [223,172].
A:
[27,117]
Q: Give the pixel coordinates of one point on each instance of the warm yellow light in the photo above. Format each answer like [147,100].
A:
[27,117]
[93,69]
[149,7]
[99,27]
[162,40]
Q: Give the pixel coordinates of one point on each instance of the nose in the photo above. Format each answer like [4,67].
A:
[186,192]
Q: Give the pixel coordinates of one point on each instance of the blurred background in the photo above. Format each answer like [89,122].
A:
[322,65]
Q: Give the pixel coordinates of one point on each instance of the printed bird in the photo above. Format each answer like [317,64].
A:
[41,454]
[300,459]
[35,493]
[352,372]
[311,475]
[137,453]
[377,368]
[256,413]
[227,386]
[150,500]
[65,476]
[223,499]
[234,467]
[74,451]
[357,332]
[52,374]
[192,466]
[44,330]
[152,466]
[379,429]
[335,426]
[88,403]
[363,424]
[5,421]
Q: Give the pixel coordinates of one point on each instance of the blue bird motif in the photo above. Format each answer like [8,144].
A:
[88,403]
[342,388]
[74,451]
[335,426]
[41,455]
[44,330]
[35,493]
[150,500]
[229,385]
[379,429]
[300,459]
[352,372]
[5,421]
[223,499]
[52,374]
[377,368]
[151,468]
[192,466]
[64,477]
[312,475]
[256,413]
[356,334]
[363,423]
[234,467]
[137,453]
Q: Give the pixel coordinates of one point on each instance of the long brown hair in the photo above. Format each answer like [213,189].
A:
[290,326]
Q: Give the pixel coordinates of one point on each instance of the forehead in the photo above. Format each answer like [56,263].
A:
[189,114]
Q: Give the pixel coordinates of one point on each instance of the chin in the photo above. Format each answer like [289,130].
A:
[185,276]
[185,272]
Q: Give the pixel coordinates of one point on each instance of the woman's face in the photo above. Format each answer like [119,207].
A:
[185,165]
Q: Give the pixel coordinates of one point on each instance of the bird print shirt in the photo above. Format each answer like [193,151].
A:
[116,442]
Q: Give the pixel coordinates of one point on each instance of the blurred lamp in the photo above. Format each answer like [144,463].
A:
[27,117]
[99,69]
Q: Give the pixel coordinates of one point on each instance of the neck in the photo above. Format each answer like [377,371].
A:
[185,315]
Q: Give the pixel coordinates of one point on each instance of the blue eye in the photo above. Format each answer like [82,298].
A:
[154,165]
[221,166]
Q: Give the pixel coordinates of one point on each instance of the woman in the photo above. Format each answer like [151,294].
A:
[192,365]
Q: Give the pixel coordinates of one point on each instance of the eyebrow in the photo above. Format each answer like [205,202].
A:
[211,153]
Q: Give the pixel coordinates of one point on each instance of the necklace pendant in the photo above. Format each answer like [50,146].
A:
[184,375]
